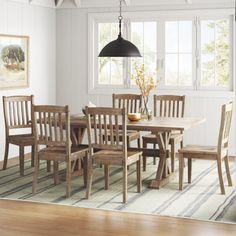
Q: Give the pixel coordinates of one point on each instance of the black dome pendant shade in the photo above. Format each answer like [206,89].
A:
[120,47]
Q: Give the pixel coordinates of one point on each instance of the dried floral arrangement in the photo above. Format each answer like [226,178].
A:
[145,82]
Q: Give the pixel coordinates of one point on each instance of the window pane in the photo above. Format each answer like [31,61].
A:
[207,70]
[110,70]
[185,36]
[104,37]
[144,36]
[185,69]
[117,71]
[103,70]
[222,53]
[171,36]
[137,35]
[178,53]
[171,69]
[150,40]
[135,61]
[150,63]
[215,55]
[115,30]
[207,36]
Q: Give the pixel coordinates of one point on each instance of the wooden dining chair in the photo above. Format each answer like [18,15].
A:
[113,149]
[132,104]
[18,126]
[52,131]
[215,153]
[166,106]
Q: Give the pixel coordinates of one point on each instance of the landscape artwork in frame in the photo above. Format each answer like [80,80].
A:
[13,61]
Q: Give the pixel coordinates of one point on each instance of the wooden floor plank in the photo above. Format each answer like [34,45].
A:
[33,219]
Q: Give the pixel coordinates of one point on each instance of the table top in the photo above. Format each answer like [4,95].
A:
[156,124]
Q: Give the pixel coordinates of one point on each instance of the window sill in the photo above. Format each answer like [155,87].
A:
[190,93]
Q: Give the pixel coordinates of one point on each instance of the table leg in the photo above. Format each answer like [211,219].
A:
[77,135]
[163,175]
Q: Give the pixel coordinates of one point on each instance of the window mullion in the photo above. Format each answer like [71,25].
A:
[127,60]
[197,44]
[161,51]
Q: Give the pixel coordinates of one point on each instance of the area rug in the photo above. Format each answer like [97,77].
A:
[199,200]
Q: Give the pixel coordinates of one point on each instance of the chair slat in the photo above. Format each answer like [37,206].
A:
[55,127]
[131,102]
[111,130]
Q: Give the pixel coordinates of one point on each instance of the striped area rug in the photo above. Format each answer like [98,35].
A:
[200,200]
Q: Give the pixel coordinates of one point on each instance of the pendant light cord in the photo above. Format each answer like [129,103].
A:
[120,19]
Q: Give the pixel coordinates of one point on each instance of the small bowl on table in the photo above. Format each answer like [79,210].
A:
[134,116]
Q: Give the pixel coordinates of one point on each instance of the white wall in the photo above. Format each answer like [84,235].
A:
[39,23]
[72,80]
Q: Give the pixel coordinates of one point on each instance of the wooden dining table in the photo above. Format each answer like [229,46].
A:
[160,126]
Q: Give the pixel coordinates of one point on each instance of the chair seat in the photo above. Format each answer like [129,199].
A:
[48,153]
[199,149]
[111,157]
[22,139]
[151,138]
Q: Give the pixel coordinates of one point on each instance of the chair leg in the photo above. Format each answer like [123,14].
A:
[106,175]
[154,158]
[32,155]
[138,143]
[189,170]
[172,155]
[48,166]
[68,179]
[6,155]
[85,170]
[128,146]
[125,173]
[56,172]
[89,179]
[144,157]
[139,174]
[226,160]
[35,177]
[181,170]
[21,156]
[220,175]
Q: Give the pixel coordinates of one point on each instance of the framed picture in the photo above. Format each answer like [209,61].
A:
[14,53]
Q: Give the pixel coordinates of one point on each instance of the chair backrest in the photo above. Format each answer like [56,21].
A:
[103,126]
[17,112]
[226,117]
[131,102]
[52,125]
[169,105]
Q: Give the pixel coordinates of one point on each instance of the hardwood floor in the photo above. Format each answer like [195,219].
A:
[34,219]
[31,219]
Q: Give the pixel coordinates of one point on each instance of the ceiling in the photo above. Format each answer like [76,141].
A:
[129,3]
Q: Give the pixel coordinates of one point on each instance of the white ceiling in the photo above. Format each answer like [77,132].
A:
[113,3]
[129,3]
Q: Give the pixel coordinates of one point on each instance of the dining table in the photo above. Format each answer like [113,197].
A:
[161,127]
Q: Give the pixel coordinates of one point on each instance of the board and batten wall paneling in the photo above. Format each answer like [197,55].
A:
[72,81]
[39,23]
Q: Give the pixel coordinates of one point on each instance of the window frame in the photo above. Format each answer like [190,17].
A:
[160,17]
[230,87]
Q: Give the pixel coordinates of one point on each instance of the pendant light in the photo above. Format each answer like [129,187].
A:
[120,47]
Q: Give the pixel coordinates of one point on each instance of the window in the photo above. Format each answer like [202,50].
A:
[144,36]
[110,70]
[192,52]
[215,54]
[178,53]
